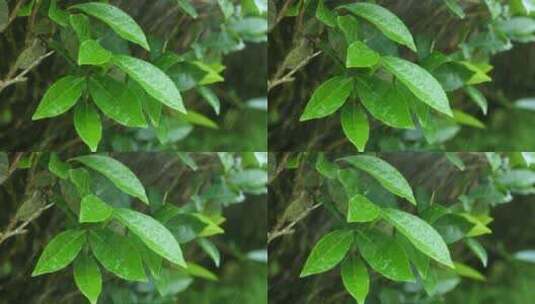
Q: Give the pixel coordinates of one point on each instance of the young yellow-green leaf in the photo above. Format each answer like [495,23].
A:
[87,277]
[328,97]
[117,254]
[424,237]
[385,173]
[94,210]
[385,102]
[384,254]
[468,272]
[422,84]
[58,167]
[325,15]
[117,101]
[152,233]
[355,125]
[360,209]
[88,125]
[386,21]
[80,24]
[60,252]
[155,82]
[359,55]
[328,252]
[118,20]
[118,173]
[60,97]
[355,278]
[92,53]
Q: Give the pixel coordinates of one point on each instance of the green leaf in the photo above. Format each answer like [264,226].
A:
[468,272]
[383,19]
[385,102]
[118,173]
[420,261]
[424,237]
[455,7]
[117,254]
[328,252]
[360,209]
[118,20]
[60,252]
[211,98]
[155,82]
[58,167]
[422,84]
[94,210]
[88,125]
[478,250]
[211,250]
[58,15]
[355,278]
[327,98]
[80,24]
[387,175]
[4,15]
[60,97]
[117,101]
[359,55]
[325,15]
[81,180]
[467,119]
[152,233]
[325,167]
[349,26]
[187,7]
[477,97]
[355,125]
[92,53]
[384,254]
[88,278]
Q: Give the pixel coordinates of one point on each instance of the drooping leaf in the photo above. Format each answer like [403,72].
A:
[455,7]
[355,125]
[384,254]
[355,278]
[328,252]
[477,97]
[60,97]
[325,15]
[349,26]
[422,235]
[88,125]
[360,209]
[187,7]
[122,259]
[327,98]
[58,15]
[155,82]
[386,21]
[467,119]
[60,252]
[119,174]
[468,272]
[211,250]
[478,250]
[152,233]
[80,24]
[92,53]
[87,277]
[81,180]
[58,167]
[385,173]
[94,210]
[422,84]
[118,20]
[385,102]
[117,101]
[359,55]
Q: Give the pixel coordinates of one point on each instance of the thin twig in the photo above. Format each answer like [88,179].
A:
[288,77]
[288,229]
[21,76]
[21,229]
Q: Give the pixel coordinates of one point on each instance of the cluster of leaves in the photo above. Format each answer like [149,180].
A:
[412,82]
[108,76]
[103,230]
[380,224]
